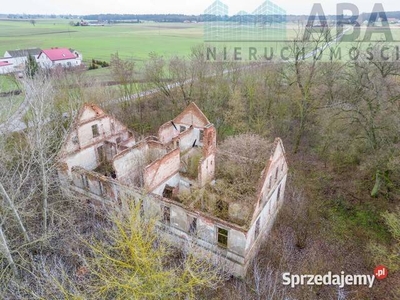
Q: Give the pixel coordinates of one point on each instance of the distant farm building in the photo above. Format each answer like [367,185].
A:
[59,57]
[14,61]
[6,67]
[18,59]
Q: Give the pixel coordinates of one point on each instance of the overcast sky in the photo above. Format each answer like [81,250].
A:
[82,7]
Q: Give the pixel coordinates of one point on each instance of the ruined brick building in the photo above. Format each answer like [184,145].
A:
[172,178]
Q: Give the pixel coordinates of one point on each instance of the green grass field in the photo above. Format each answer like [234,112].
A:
[129,40]
[8,84]
[9,105]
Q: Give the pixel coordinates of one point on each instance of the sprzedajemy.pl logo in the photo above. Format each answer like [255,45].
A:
[341,280]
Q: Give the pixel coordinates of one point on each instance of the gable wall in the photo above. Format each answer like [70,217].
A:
[277,162]
[85,133]
[189,119]
[128,165]
[87,159]
[162,169]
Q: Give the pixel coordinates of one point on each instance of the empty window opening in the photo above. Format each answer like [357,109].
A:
[182,128]
[100,154]
[201,136]
[167,215]
[85,181]
[193,226]
[257,229]
[279,194]
[112,126]
[276,173]
[141,209]
[168,192]
[95,130]
[101,188]
[270,182]
[75,140]
[222,237]
[209,139]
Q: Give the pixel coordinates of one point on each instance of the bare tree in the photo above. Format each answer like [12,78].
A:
[6,250]
[45,133]
[16,214]
[156,73]
[183,75]
[372,94]
[304,69]
[123,72]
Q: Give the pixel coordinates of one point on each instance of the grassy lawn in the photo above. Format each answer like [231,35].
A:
[7,84]
[8,106]
[129,40]
[134,41]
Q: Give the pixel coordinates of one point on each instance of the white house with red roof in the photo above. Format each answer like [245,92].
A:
[6,66]
[59,57]
[15,60]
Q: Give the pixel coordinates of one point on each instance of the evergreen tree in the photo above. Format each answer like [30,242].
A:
[31,66]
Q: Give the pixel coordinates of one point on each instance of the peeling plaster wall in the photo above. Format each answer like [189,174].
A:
[187,138]
[107,127]
[179,218]
[192,115]
[266,216]
[162,169]
[191,119]
[277,166]
[167,133]
[207,170]
[129,164]
[89,114]
[86,159]
[85,134]
[172,181]
[207,164]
